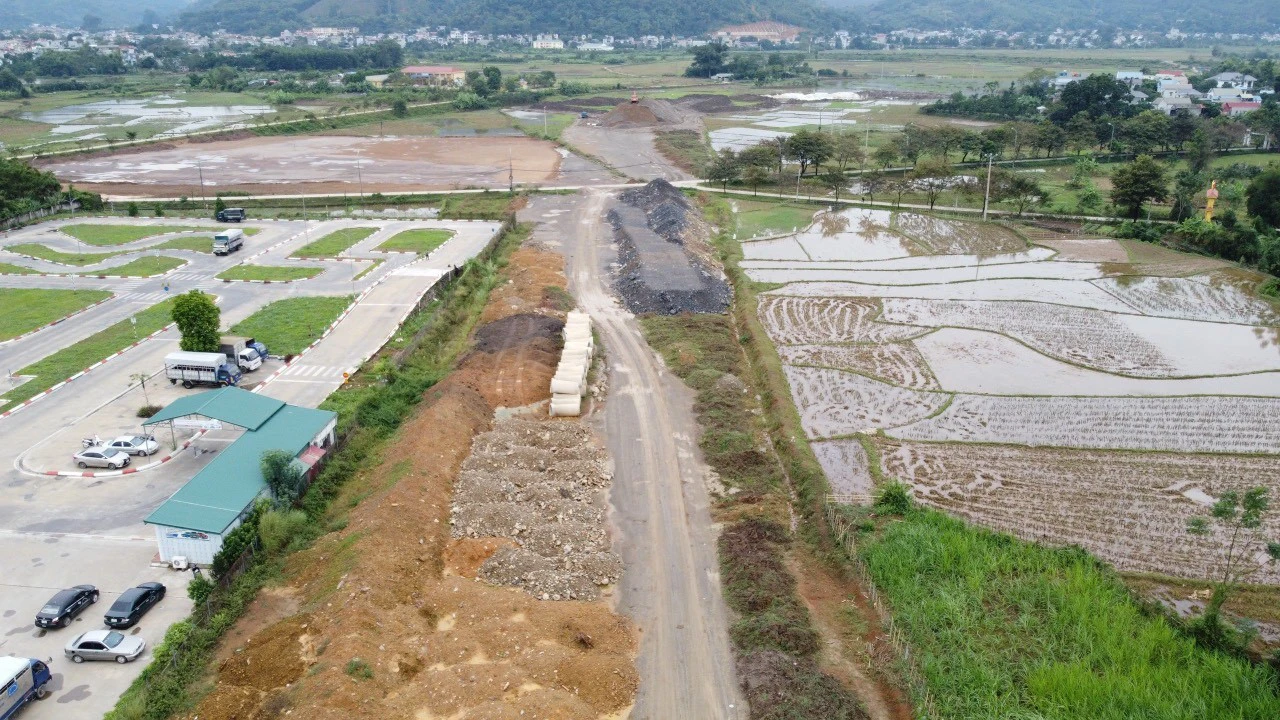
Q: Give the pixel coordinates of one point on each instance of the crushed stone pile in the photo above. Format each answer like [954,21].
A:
[657,230]
[541,484]
[629,115]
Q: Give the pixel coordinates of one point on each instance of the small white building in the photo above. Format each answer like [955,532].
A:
[195,519]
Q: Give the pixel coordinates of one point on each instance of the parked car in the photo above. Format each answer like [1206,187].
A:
[231,215]
[105,645]
[133,604]
[65,605]
[135,444]
[101,456]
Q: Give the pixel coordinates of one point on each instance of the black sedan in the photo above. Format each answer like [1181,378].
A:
[63,607]
[133,604]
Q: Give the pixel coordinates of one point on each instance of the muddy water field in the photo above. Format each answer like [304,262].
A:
[1066,388]
[313,164]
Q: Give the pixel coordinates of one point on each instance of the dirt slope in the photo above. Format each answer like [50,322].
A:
[393,623]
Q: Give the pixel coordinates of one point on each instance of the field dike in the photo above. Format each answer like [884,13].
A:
[794,658]
[388,618]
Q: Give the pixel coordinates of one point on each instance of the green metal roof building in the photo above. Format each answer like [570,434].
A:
[193,520]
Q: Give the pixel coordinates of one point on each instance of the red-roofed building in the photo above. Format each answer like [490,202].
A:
[1233,109]
[772,31]
[434,75]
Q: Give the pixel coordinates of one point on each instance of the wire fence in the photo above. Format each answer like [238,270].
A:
[845,533]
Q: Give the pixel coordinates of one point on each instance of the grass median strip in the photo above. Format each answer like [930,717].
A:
[288,326]
[106,235]
[30,309]
[44,252]
[72,359]
[270,273]
[194,243]
[419,241]
[334,244]
[141,267]
[11,269]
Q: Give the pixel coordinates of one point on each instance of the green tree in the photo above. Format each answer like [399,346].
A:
[1137,183]
[933,177]
[809,148]
[400,108]
[131,209]
[283,476]
[835,181]
[1082,132]
[708,60]
[846,150]
[1013,188]
[218,206]
[1200,152]
[493,77]
[872,182]
[1088,198]
[885,155]
[198,319]
[1147,131]
[755,176]
[1185,186]
[724,168]
[1264,197]
[1237,519]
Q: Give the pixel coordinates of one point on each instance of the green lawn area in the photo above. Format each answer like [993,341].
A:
[141,267]
[1003,628]
[44,252]
[104,235]
[29,309]
[198,243]
[419,241]
[288,326]
[273,273]
[71,360]
[334,243]
[766,218]
[11,269]
[475,206]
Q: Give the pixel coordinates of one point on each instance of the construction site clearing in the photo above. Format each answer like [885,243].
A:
[429,603]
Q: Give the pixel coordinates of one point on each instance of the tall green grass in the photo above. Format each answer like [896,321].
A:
[1006,629]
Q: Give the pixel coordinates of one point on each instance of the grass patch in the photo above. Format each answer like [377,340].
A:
[29,309]
[288,326]
[199,244]
[141,267]
[477,206]
[766,218]
[70,360]
[334,244]
[106,235]
[270,273]
[44,252]
[685,148]
[11,269]
[418,241]
[1004,628]
[372,266]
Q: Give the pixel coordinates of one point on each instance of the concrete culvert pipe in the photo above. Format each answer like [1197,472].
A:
[566,405]
[565,387]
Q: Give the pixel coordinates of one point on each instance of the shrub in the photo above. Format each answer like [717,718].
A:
[132,209]
[200,589]
[276,528]
[147,411]
[894,498]
[358,668]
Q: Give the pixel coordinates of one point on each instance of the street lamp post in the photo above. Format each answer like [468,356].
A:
[986,198]
[359,177]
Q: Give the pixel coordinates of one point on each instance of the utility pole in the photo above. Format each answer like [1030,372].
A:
[986,199]
[359,177]
[511,175]
[203,200]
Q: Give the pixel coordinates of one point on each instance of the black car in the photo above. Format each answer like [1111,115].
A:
[63,607]
[133,604]
[231,215]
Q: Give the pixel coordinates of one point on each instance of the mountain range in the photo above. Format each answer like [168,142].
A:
[15,14]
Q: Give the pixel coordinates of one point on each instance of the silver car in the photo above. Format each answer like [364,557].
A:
[105,645]
[135,444]
[101,456]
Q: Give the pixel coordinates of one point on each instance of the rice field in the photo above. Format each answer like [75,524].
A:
[1076,390]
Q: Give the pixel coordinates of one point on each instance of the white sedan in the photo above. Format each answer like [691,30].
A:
[135,444]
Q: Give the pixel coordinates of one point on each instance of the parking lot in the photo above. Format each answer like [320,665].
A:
[84,526]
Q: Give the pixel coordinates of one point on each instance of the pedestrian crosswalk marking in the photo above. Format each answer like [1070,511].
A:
[316,371]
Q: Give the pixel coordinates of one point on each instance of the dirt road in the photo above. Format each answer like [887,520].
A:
[631,151]
[671,587]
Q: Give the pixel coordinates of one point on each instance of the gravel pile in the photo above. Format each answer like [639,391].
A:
[541,484]
[654,226]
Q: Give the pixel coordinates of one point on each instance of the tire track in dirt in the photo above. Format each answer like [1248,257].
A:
[671,587]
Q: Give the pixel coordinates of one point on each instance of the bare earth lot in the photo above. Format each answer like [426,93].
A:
[315,164]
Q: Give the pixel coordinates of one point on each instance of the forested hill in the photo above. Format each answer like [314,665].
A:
[1244,16]
[71,13]
[567,17]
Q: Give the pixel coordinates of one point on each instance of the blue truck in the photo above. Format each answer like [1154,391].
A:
[21,680]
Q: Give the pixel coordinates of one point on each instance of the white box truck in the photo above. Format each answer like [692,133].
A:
[228,241]
[199,368]
[239,351]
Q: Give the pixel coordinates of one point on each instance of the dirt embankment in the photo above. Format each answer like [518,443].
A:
[392,622]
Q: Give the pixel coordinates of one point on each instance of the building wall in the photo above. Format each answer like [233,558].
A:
[198,548]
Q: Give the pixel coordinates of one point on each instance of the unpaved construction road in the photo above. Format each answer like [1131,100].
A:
[671,586]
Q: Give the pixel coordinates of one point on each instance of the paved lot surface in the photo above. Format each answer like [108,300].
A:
[56,532]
